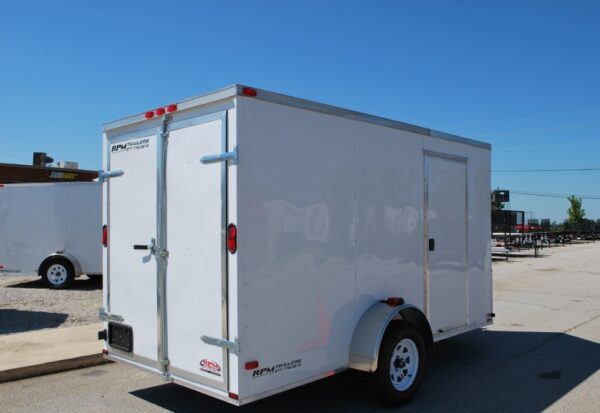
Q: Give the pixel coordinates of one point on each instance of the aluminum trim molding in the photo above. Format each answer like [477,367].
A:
[224,252]
[199,100]
[161,241]
[264,95]
[177,373]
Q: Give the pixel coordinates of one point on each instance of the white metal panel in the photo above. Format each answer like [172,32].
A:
[447,226]
[389,216]
[480,261]
[194,240]
[37,220]
[296,249]
[84,223]
[132,221]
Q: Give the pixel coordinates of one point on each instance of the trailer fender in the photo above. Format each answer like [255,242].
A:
[66,255]
[369,332]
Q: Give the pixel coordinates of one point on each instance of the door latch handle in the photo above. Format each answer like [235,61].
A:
[151,247]
[431,244]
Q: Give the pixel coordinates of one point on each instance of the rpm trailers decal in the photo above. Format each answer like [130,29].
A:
[131,145]
[211,367]
[277,368]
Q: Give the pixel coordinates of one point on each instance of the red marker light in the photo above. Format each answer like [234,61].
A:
[149,114]
[104,235]
[248,91]
[251,365]
[232,238]
[233,396]
[171,108]
[394,301]
[160,111]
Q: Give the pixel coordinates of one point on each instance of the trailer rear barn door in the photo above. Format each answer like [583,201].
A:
[132,221]
[446,241]
[196,271]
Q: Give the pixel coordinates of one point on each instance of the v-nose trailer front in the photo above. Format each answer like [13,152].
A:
[257,242]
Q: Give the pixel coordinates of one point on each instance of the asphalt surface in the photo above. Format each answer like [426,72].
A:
[26,304]
[543,353]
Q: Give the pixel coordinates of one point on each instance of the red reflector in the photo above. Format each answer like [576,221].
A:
[172,108]
[1,267]
[105,352]
[394,301]
[149,114]
[248,91]
[232,238]
[104,235]
[251,365]
[233,396]
[160,111]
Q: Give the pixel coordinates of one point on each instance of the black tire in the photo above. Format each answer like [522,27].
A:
[396,386]
[57,273]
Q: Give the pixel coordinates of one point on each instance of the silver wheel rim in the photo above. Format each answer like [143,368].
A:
[57,274]
[404,364]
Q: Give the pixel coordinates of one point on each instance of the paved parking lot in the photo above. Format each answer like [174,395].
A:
[26,304]
[543,353]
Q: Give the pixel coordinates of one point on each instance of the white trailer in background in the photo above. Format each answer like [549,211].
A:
[258,242]
[51,229]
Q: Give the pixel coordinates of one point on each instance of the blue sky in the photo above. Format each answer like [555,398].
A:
[522,75]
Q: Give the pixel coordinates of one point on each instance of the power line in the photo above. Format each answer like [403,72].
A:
[551,195]
[545,170]
[530,117]
[551,145]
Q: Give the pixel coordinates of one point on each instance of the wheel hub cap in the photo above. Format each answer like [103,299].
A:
[57,274]
[404,364]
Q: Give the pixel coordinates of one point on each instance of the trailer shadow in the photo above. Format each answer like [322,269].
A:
[19,321]
[79,284]
[492,371]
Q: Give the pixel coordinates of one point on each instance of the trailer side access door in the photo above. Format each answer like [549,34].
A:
[196,219]
[445,241]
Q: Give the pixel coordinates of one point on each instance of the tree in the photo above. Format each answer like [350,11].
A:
[575,212]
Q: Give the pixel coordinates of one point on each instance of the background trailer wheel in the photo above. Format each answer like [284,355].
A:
[57,273]
[401,365]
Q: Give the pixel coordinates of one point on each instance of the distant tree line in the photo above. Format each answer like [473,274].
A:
[575,221]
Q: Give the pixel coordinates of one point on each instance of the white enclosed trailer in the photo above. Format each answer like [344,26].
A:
[258,242]
[51,229]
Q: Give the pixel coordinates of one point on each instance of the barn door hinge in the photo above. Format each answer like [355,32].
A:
[104,175]
[231,157]
[232,346]
[104,316]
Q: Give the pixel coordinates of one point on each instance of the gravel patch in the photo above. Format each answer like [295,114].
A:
[27,304]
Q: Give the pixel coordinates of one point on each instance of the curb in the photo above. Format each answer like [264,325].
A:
[52,367]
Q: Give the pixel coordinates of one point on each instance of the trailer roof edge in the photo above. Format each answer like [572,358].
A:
[273,97]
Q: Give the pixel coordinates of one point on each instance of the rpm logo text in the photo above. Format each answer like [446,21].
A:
[128,146]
